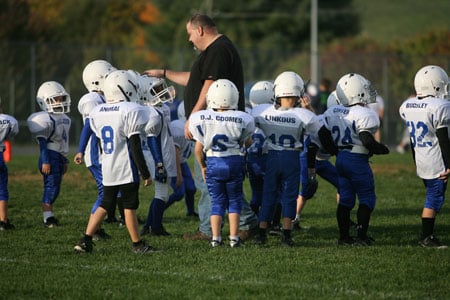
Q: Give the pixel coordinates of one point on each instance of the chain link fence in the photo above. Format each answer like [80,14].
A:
[24,66]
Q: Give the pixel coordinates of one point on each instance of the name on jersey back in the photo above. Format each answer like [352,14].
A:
[222,118]
[109,108]
[416,105]
[280,119]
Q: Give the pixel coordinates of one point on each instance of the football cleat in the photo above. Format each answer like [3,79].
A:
[215,243]
[100,234]
[6,225]
[143,247]
[260,240]
[235,243]
[287,241]
[432,242]
[84,246]
[348,241]
[51,222]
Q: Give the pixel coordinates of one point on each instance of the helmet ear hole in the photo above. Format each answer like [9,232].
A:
[222,94]
[94,74]
[354,89]
[431,81]
[121,86]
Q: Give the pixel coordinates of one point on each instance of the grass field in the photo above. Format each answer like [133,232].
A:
[39,263]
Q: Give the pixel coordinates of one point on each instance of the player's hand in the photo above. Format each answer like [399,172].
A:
[187,133]
[78,159]
[203,169]
[46,169]
[444,176]
[179,181]
[148,181]
[161,174]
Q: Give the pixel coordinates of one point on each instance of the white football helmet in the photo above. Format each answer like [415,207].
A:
[332,99]
[432,81]
[157,91]
[261,92]
[289,84]
[222,94]
[353,88]
[94,74]
[181,111]
[53,98]
[120,86]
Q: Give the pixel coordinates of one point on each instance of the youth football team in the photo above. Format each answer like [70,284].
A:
[279,141]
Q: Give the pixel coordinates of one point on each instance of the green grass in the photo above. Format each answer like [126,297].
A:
[39,263]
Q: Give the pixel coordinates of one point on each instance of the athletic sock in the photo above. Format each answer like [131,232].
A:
[343,219]
[287,233]
[427,227]
[47,214]
[363,216]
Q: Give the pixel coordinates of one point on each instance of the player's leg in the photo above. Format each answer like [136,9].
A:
[434,199]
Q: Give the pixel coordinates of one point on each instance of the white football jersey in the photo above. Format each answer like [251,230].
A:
[9,127]
[186,147]
[423,118]
[345,124]
[167,144]
[152,128]
[221,133]
[113,124]
[86,104]
[285,128]
[259,145]
[53,127]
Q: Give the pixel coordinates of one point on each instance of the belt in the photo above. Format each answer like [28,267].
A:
[228,152]
[354,149]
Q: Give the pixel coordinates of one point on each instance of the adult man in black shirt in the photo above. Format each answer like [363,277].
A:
[218,59]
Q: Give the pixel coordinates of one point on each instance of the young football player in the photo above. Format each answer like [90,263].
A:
[220,132]
[324,168]
[353,126]
[427,117]
[260,93]
[183,185]
[50,128]
[94,75]
[284,124]
[118,124]
[163,159]
[9,127]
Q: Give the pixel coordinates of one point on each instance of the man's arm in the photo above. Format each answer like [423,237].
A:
[180,78]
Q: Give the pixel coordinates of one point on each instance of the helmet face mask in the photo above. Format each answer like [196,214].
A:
[53,98]
[222,94]
[261,92]
[154,91]
[121,86]
[94,74]
[432,81]
[354,89]
[161,93]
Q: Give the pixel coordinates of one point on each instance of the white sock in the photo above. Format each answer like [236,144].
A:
[234,237]
[217,238]
[47,214]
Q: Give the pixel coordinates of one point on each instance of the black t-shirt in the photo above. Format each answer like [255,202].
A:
[220,60]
